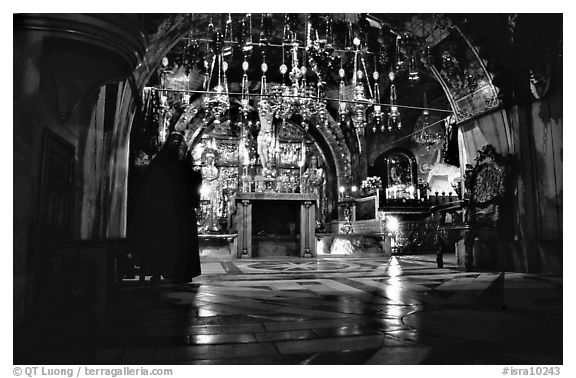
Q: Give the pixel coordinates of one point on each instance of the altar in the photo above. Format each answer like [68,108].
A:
[297,209]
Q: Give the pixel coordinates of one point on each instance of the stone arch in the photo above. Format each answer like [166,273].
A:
[432,28]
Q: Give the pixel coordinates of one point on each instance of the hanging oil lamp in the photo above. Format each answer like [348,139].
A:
[217,101]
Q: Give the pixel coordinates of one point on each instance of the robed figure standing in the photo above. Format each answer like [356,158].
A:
[163,231]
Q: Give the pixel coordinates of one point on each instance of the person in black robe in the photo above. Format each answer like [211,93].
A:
[163,231]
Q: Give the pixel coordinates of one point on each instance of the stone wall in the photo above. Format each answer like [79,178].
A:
[61,68]
[533,137]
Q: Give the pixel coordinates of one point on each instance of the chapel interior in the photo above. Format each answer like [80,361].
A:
[377,188]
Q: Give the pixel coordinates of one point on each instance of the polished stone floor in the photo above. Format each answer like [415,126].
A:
[399,310]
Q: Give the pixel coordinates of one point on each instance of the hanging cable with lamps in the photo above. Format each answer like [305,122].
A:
[377,110]
[394,116]
[217,101]
[424,136]
[301,94]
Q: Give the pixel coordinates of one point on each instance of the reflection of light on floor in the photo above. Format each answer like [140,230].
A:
[205,290]
[347,306]
[393,290]
[393,311]
[202,312]
[202,339]
[394,269]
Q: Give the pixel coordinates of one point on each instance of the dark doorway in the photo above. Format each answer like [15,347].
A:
[276,228]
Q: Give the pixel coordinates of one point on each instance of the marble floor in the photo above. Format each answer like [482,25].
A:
[377,310]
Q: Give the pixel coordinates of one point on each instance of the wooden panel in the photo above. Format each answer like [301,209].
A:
[55,204]
[367,208]
[55,194]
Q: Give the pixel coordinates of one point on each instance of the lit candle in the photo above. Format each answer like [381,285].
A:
[342,192]
[418,194]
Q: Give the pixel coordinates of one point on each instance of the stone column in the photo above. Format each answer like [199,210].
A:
[244,245]
[307,229]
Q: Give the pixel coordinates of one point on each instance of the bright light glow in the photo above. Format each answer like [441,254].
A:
[392,224]
[300,163]
[320,247]
[354,188]
[205,191]
[342,189]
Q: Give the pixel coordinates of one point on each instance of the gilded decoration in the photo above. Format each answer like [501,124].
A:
[229,178]
[231,166]
[314,181]
[290,153]
[228,151]
[211,191]
[486,185]
[430,27]
[288,180]
[416,236]
[198,150]
[399,180]
[290,132]
[463,75]
[222,129]
[488,208]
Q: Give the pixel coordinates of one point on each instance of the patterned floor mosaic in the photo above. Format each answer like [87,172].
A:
[399,310]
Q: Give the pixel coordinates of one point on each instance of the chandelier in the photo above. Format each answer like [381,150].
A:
[394,114]
[299,97]
[311,59]
[377,114]
[217,100]
[424,136]
[355,111]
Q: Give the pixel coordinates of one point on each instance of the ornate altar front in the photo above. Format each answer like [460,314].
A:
[285,168]
[254,221]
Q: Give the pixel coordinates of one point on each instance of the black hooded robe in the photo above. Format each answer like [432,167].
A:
[163,231]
